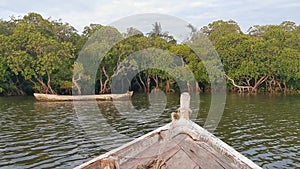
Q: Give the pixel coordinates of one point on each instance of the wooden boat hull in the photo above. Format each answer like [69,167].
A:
[192,147]
[102,97]
[179,144]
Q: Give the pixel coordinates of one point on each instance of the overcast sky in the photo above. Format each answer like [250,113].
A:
[80,13]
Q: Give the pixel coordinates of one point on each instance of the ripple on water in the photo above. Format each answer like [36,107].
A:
[49,135]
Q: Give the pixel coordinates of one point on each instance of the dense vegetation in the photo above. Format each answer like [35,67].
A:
[38,55]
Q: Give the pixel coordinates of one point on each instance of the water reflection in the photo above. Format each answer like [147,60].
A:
[53,135]
[264,128]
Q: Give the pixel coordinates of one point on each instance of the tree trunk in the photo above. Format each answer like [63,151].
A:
[155,78]
[105,88]
[143,84]
[270,84]
[241,89]
[198,89]
[258,83]
[168,86]
[189,86]
[76,85]
[148,83]
[101,85]
[285,89]
[248,81]
[279,85]
[44,86]
[49,83]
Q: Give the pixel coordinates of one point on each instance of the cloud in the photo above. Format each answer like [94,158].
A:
[80,13]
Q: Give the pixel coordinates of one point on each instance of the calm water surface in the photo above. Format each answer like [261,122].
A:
[34,134]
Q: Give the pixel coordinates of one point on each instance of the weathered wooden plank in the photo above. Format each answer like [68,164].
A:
[138,149]
[205,158]
[180,161]
[103,164]
[161,150]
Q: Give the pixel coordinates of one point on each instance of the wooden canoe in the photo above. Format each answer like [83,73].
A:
[181,144]
[102,97]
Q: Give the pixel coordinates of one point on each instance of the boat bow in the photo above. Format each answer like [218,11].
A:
[179,144]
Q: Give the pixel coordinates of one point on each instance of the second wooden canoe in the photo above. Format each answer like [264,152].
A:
[101,97]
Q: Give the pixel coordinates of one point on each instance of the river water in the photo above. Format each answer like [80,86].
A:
[34,134]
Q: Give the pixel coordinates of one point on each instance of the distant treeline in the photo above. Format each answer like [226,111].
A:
[39,55]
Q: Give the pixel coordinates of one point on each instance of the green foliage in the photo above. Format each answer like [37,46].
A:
[270,52]
[37,49]
[38,54]
[220,28]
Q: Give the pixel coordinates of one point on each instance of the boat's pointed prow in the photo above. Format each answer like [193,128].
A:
[179,144]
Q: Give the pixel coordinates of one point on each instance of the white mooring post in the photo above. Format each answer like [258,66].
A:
[184,110]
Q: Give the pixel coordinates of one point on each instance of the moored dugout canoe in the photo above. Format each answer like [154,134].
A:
[101,97]
[181,144]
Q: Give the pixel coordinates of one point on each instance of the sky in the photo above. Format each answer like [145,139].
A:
[80,13]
